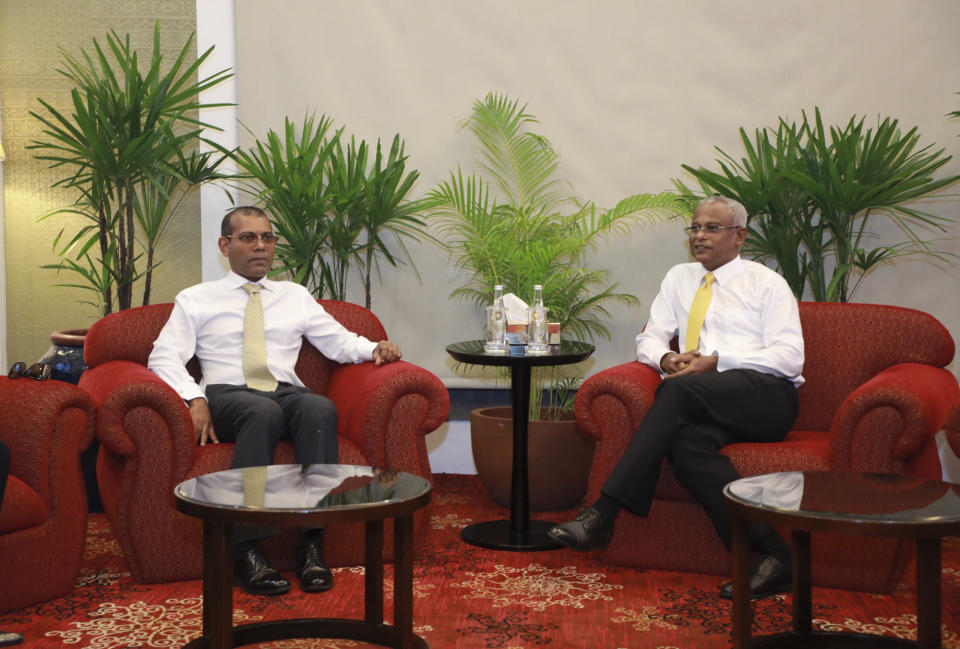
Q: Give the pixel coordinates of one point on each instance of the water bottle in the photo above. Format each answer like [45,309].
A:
[537,336]
[496,324]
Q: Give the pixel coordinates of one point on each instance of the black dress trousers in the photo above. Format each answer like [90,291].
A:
[691,418]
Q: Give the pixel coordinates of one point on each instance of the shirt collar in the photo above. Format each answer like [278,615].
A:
[726,272]
[236,281]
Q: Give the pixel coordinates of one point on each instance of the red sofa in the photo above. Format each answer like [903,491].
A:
[43,517]
[148,444]
[875,396]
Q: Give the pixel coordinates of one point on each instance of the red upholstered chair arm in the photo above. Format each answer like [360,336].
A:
[139,414]
[387,411]
[75,431]
[885,422]
[609,407]
[616,399]
[47,425]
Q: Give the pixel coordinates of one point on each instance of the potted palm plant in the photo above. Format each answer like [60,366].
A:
[335,206]
[514,221]
[129,149]
[812,192]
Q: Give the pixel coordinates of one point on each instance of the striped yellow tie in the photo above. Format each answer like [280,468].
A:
[698,311]
[255,370]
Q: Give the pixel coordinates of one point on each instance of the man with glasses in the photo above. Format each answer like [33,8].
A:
[734,380]
[250,393]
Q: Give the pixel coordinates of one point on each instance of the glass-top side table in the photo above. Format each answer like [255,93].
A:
[519,533]
[314,495]
[847,502]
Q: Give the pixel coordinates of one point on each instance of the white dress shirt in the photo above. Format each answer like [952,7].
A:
[207,321]
[753,321]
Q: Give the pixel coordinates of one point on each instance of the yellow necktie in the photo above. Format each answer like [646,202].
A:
[698,311]
[254,480]
[255,369]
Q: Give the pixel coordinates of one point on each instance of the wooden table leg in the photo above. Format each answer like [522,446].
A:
[403,579]
[373,573]
[928,593]
[740,573]
[217,584]
[802,583]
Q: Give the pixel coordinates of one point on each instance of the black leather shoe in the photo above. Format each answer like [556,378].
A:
[770,577]
[589,530]
[256,576]
[315,575]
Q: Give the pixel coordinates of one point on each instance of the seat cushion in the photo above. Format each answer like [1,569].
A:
[800,450]
[21,508]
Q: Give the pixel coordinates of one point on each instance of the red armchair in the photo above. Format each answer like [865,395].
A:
[148,444]
[875,396]
[43,517]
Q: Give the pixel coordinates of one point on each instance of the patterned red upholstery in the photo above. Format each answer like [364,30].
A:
[43,517]
[875,396]
[148,443]
[22,507]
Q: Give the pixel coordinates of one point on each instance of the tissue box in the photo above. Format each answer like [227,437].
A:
[516,333]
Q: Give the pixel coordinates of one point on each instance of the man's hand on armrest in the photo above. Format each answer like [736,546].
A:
[386,352]
[202,422]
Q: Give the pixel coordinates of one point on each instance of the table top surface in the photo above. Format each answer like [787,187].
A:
[850,496]
[568,351]
[302,488]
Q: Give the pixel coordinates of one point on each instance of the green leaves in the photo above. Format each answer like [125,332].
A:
[287,172]
[513,222]
[811,192]
[129,151]
[509,223]
[333,207]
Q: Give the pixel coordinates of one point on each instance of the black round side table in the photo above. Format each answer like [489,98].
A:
[519,533]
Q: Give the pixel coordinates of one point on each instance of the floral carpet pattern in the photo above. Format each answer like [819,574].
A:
[471,598]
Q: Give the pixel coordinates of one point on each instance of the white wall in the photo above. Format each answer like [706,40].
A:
[627,91]
[216,28]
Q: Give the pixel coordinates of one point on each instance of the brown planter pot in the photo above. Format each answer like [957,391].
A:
[559,458]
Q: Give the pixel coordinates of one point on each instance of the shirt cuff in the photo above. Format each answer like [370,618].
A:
[191,391]
[367,351]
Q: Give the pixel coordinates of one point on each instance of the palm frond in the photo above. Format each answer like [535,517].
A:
[513,221]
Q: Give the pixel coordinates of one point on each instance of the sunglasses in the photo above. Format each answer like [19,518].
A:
[38,371]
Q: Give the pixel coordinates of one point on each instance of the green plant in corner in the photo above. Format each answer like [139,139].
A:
[333,207]
[129,149]
[812,191]
[513,222]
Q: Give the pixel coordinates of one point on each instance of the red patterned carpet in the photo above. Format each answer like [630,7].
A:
[468,597]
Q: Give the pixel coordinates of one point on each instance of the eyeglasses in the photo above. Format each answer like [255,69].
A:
[710,229]
[38,371]
[248,238]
